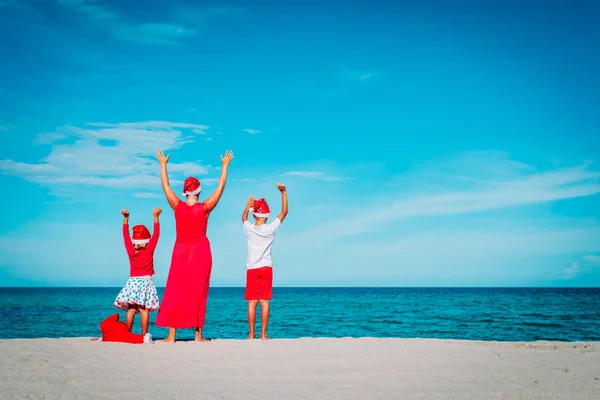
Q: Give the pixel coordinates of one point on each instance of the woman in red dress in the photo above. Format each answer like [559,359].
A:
[184,301]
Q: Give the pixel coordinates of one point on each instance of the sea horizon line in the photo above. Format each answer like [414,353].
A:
[324,287]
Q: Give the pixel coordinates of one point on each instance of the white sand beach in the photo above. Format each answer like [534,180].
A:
[299,369]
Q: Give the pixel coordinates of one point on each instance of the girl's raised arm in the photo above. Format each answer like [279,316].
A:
[126,238]
[211,202]
[172,198]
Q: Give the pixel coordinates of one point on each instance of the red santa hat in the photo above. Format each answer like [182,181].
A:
[260,209]
[191,186]
[141,235]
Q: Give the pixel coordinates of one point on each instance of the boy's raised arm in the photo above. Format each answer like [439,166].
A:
[284,201]
[249,205]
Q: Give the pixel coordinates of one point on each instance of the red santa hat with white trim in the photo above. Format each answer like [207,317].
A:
[141,235]
[191,186]
[260,209]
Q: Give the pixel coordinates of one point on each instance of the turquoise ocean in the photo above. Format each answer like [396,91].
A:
[519,314]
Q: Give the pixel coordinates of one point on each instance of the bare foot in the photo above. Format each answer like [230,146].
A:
[264,337]
[251,336]
[168,340]
[200,338]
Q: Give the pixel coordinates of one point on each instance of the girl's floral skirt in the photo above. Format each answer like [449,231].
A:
[138,291]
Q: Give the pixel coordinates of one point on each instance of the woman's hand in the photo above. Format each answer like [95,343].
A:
[164,179]
[281,187]
[211,202]
[226,159]
[162,159]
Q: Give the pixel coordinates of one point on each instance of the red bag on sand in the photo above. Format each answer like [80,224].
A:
[115,331]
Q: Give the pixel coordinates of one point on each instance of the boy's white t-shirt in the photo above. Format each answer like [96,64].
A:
[260,241]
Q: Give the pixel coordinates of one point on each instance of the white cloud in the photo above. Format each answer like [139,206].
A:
[488,252]
[201,16]
[188,168]
[576,269]
[483,256]
[251,131]
[126,182]
[144,195]
[20,5]
[17,168]
[154,33]
[592,258]
[110,155]
[573,271]
[209,181]
[150,125]
[316,175]
[92,8]
[48,138]
[178,23]
[362,76]
[511,185]
[489,241]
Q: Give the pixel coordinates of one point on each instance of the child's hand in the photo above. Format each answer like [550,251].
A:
[250,201]
[281,187]
[226,159]
[156,212]
[125,213]
[162,159]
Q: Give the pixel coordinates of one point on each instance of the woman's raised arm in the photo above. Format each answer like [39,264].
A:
[172,198]
[211,202]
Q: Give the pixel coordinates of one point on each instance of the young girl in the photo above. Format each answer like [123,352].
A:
[139,296]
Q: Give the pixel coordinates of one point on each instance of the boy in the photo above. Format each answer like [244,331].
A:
[259,274]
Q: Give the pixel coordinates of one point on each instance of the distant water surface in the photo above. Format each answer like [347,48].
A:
[521,314]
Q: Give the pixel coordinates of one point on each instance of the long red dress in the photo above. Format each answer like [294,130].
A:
[184,301]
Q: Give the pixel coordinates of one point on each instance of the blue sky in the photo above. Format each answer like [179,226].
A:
[422,145]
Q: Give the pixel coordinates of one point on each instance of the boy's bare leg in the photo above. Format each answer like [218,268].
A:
[131,309]
[264,315]
[171,337]
[145,320]
[252,317]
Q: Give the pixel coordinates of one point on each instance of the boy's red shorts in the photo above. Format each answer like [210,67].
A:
[259,284]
